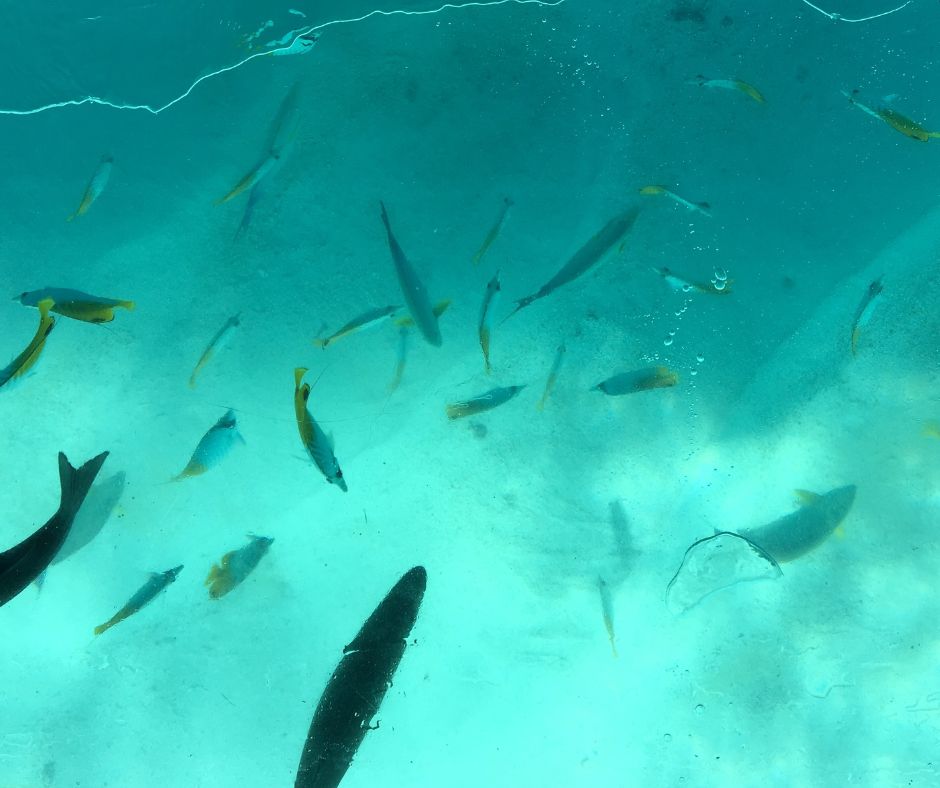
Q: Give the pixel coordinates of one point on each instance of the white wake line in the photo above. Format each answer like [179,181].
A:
[307,31]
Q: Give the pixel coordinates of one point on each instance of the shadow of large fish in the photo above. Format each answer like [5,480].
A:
[355,690]
[22,564]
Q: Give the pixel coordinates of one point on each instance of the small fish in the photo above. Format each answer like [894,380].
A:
[218,341]
[607,608]
[552,377]
[490,298]
[700,207]
[253,196]
[494,230]
[368,319]
[252,178]
[805,529]
[24,562]
[75,304]
[147,593]
[931,429]
[865,309]
[586,257]
[212,447]
[897,121]
[26,360]
[491,399]
[413,289]
[730,84]
[400,360]
[318,445]
[236,565]
[95,186]
[638,380]
[717,287]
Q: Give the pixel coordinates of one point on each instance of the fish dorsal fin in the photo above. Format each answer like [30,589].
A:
[805,497]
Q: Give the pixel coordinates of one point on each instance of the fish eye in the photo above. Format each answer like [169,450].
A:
[339,474]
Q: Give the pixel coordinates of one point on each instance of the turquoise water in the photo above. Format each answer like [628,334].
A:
[823,674]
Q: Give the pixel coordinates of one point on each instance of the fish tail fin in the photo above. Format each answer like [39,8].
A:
[128,305]
[540,405]
[321,343]
[71,217]
[299,373]
[77,481]
[457,410]
[104,627]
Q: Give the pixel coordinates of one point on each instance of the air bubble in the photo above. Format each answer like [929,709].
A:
[699,709]
[667,737]
[700,358]
[667,341]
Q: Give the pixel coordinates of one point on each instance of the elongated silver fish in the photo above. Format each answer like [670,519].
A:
[586,257]
[315,440]
[368,319]
[212,447]
[494,230]
[864,312]
[95,186]
[490,298]
[147,593]
[218,341]
[607,608]
[552,377]
[236,565]
[484,402]
[805,529]
[413,289]
[401,358]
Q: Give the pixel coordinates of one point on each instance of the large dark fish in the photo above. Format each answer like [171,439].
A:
[796,534]
[586,257]
[22,564]
[355,690]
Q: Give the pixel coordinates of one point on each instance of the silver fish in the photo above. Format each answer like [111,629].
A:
[368,319]
[212,447]
[217,342]
[586,257]
[490,298]
[147,593]
[412,288]
[484,402]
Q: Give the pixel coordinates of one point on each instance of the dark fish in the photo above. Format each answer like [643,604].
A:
[586,257]
[864,311]
[807,528]
[355,690]
[147,593]
[22,564]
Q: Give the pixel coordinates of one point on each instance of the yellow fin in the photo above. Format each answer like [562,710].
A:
[840,532]
[931,429]
[320,342]
[299,373]
[805,497]
[653,190]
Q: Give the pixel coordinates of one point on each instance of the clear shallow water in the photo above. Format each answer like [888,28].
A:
[823,676]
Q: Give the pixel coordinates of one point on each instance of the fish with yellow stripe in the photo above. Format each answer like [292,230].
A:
[699,207]
[75,304]
[26,360]
[317,443]
[730,84]
[218,341]
[897,121]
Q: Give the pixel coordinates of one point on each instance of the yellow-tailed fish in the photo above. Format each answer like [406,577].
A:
[494,230]
[252,178]
[75,304]
[490,298]
[931,429]
[897,121]
[217,342]
[412,289]
[236,565]
[718,286]
[730,84]
[699,207]
[552,377]
[805,529]
[318,445]
[607,608]
[368,319]
[491,399]
[148,591]
[400,359]
[586,257]
[638,380]
[95,186]
[28,358]
[212,447]
[865,309]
